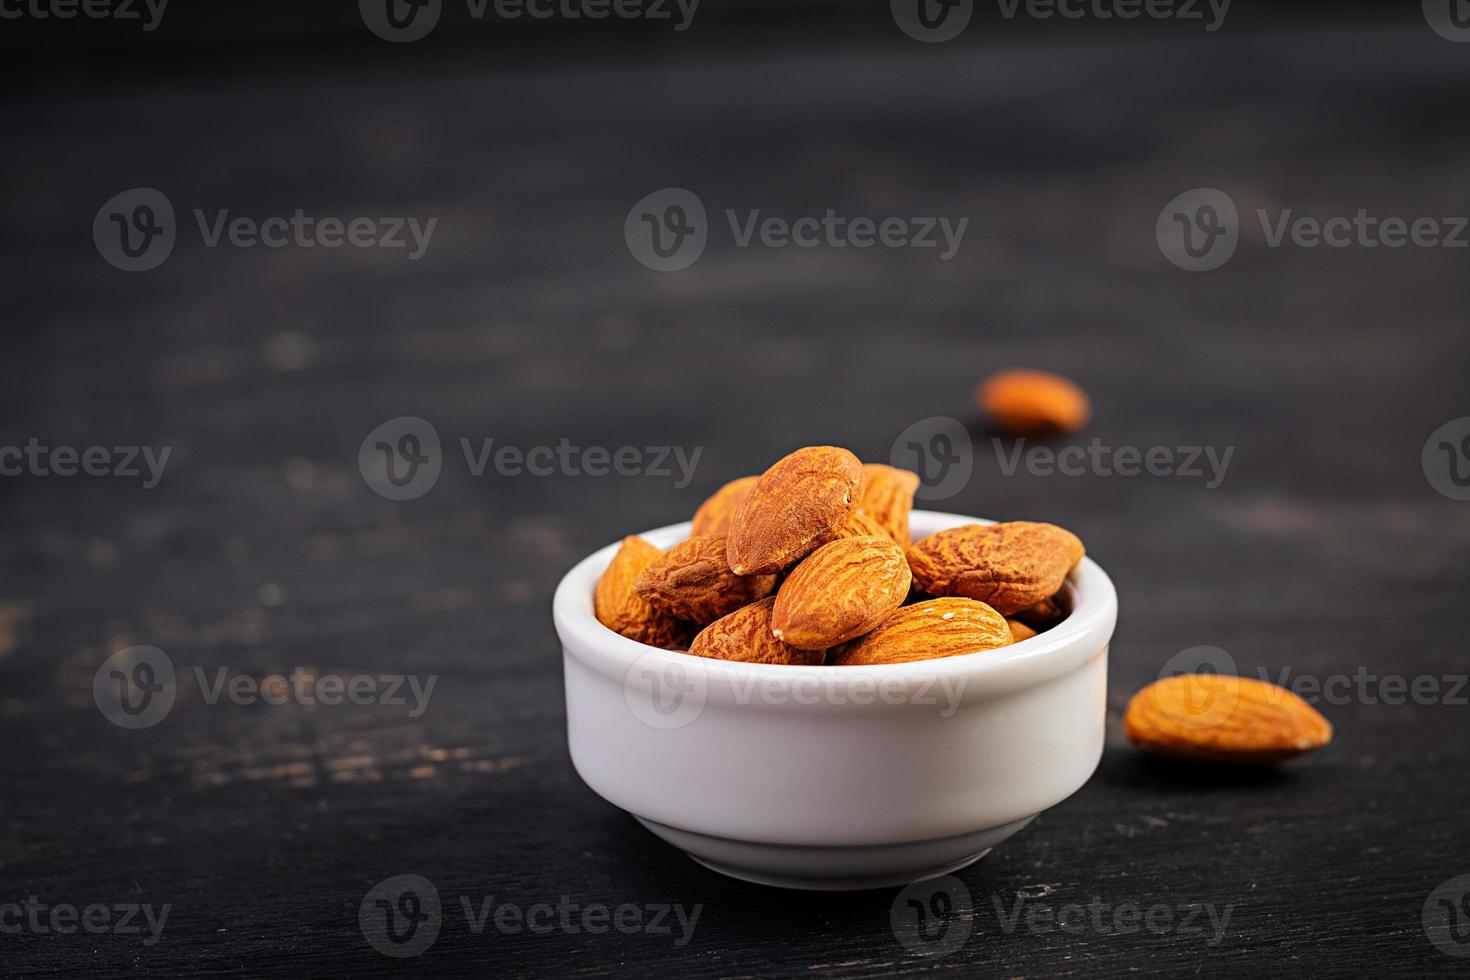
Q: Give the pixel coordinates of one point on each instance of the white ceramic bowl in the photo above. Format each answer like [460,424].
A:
[836,777]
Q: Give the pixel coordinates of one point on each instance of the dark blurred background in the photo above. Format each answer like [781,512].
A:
[1329,547]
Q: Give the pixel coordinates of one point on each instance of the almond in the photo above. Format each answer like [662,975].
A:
[621,609]
[926,631]
[858,525]
[888,497]
[1044,615]
[1010,566]
[713,516]
[1020,631]
[1021,402]
[1220,718]
[794,506]
[692,581]
[840,591]
[745,635]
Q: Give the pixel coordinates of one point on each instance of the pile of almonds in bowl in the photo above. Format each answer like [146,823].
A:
[810,564]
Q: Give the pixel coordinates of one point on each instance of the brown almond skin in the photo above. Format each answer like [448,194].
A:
[793,508]
[1220,718]
[858,525]
[888,497]
[745,635]
[1044,614]
[692,581]
[1020,631]
[841,590]
[1023,402]
[927,631]
[621,609]
[1010,566]
[713,516]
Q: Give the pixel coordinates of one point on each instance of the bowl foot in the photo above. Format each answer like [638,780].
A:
[844,884]
[842,868]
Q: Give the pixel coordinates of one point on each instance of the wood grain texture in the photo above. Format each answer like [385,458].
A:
[1323,551]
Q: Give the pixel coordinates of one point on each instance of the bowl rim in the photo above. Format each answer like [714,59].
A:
[1059,650]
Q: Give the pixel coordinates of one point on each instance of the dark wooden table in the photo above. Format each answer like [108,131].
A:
[1325,551]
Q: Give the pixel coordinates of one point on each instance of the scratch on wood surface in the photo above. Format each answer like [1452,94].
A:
[315,764]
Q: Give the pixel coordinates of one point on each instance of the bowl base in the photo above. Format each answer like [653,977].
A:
[847,884]
[844,868]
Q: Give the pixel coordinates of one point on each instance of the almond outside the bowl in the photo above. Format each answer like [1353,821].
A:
[1025,402]
[1220,718]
